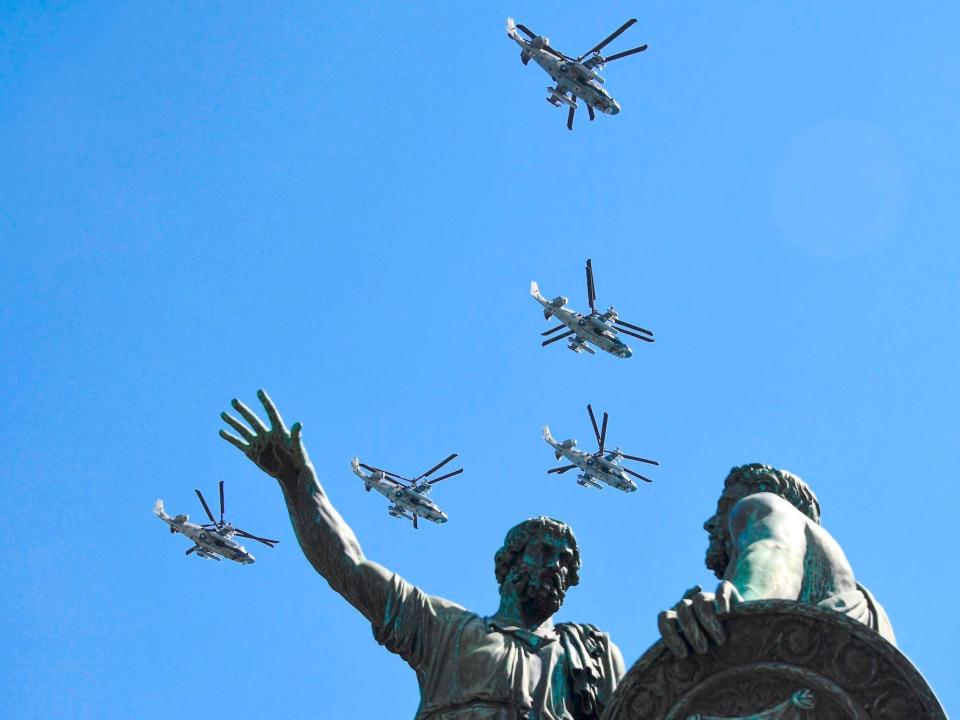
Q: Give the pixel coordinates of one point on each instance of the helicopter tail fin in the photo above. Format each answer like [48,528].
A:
[355,466]
[158,509]
[547,436]
[512,30]
[535,294]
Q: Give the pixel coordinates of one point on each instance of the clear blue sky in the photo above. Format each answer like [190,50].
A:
[346,207]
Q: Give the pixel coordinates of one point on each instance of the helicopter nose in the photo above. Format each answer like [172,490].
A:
[613,109]
[443,517]
[626,352]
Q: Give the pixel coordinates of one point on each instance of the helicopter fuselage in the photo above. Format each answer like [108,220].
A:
[596,329]
[580,79]
[594,468]
[406,502]
[209,543]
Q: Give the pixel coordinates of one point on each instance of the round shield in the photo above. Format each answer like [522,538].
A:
[782,661]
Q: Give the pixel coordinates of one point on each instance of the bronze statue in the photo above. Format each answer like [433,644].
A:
[766,543]
[513,664]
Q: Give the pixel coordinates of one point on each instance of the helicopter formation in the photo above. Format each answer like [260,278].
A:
[576,79]
[410,497]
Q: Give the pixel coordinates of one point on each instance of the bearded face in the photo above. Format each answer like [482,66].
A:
[718,549]
[540,575]
[717,558]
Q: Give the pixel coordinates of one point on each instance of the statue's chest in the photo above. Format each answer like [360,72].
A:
[525,668]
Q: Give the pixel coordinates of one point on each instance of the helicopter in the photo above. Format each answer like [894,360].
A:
[577,76]
[600,329]
[214,540]
[409,497]
[596,468]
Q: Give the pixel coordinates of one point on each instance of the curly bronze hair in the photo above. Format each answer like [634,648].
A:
[757,477]
[519,535]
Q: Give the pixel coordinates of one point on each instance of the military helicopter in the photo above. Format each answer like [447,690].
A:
[214,540]
[409,497]
[576,76]
[596,467]
[600,329]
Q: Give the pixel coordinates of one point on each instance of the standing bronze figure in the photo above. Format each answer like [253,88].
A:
[513,664]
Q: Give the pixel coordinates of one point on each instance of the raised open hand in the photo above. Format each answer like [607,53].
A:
[277,451]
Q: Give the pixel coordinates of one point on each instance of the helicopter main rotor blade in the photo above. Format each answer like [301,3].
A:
[221,501]
[443,477]
[434,468]
[591,289]
[633,327]
[609,39]
[625,53]
[389,475]
[556,53]
[603,432]
[570,115]
[593,420]
[639,459]
[591,113]
[526,31]
[561,470]
[205,506]
[265,541]
[634,335]
[415,526]
[552,330]
[371,468]
[558,337]
[635,474]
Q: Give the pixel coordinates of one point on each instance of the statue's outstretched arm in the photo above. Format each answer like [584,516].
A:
[326,540]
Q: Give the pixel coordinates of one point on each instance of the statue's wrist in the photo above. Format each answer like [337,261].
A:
[292,478]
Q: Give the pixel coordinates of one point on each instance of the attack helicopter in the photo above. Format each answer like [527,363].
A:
[580,77]
[409,497]
[214,540]
[598,467]
[600,329]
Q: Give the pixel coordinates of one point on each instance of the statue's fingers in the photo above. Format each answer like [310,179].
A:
[258,427]
[296,442]
[687,619]
[727,596]
[667,624]
[237,425]
[706,613]
[721,600]
[276,422]
[235,441]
